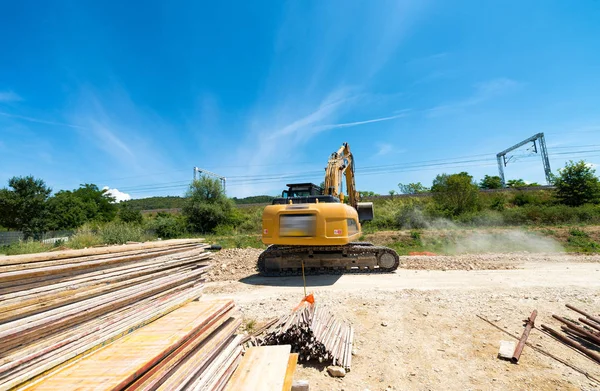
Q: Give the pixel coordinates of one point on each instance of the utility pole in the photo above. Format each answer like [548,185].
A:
[206,172]
[539,137]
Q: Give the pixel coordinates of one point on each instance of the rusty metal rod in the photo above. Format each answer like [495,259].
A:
[592,317]
[581,330]
[593,355]
[544,352]
[521,344]
[591,324]
[567,330]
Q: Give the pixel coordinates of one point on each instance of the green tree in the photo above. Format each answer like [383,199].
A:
[98,204]
[128,214]
[577,184]
[367,193]
[206,206]
[455,193]
[23,205]
[65,211]
[413,188]
[168,226]
[490,182]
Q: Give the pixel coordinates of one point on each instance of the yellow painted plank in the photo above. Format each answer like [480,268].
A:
[289,373]
[262,368]
[116,365]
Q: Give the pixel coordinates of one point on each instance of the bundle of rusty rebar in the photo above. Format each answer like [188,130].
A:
[582,335]
[314,333]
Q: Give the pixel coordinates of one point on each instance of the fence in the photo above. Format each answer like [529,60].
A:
[10,237]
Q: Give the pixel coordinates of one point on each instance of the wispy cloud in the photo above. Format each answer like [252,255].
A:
[483,92]
[40,121]
[358,123]
[328,107]
[429,59]
[9,96]
[384,149]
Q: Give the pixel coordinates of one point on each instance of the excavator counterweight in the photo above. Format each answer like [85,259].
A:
[314,226]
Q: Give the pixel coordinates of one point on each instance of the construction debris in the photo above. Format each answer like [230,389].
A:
[528,326]
[506,349]
[577,336]
[59,307]
[314,333]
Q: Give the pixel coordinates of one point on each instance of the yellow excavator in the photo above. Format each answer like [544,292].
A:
[312,228]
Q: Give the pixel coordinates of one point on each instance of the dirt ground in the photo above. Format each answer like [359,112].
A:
[417,329]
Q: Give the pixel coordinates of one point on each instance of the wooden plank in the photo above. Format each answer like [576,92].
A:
[136,254]
[262,368]
[120,363]
[93,342]
[289,372]
[24,258]
[17,277]
[198,361]
[13,332]
[165,370]
[24,288]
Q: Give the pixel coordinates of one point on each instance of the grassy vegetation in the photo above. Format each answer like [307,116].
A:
[25,247]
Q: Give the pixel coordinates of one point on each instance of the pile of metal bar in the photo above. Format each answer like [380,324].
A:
[582,334]
[314,333]
[57,307]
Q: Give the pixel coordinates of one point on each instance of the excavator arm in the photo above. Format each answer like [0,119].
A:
[340,165]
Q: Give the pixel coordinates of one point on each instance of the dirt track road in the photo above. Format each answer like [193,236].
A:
[532,274]
[418,330]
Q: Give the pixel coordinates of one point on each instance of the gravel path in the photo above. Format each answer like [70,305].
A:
[432,339]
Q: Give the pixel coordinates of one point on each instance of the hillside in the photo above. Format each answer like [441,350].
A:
[175,202]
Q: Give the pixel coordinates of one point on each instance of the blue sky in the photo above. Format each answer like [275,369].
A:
[133,97]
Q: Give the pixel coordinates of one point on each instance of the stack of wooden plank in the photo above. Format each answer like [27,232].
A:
[192,348]
[267,368]
[57,307]
[314,333]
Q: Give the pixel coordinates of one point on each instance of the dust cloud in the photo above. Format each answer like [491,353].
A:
[464,239]
[506,241]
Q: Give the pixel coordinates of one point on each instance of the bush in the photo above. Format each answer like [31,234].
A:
[526,198]
[120,233]
[486,218]
[498,202]
[128,214]
[25,247]
[168,226]
[456,194]
[410,217]
[252,221]
[551,215]
[577,184]
[85,236]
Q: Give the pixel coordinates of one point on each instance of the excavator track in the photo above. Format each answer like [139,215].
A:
[351,258]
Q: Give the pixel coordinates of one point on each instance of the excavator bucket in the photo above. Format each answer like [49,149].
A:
[365,211]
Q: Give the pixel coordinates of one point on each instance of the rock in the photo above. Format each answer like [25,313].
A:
[336,371]
[384,324]
[354,352]
[300,385]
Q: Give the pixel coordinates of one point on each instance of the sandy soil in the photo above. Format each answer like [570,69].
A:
[432,339]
